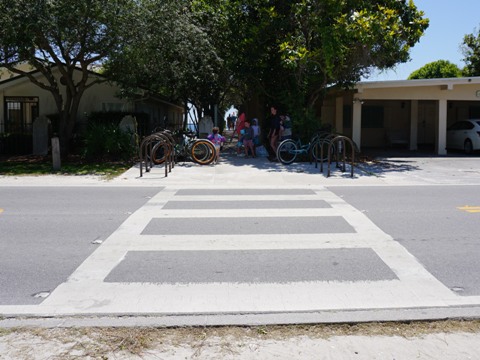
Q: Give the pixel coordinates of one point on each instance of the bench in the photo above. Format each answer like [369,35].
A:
[397,137]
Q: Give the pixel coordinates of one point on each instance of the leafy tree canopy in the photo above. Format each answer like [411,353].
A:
[471,51]
[284,51]
[293,50]
[172,49]
[437,70]
[210,51]
[61,36]
[338,42]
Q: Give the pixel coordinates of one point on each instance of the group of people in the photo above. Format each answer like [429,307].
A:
[231,118]
[249,133]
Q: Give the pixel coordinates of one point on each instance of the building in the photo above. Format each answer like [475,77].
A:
[408,113]
[21,102]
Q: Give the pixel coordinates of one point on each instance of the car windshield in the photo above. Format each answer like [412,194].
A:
[455,126]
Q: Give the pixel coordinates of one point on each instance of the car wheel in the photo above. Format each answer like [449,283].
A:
[468,146]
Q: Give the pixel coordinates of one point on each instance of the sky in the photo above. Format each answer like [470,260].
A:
[450,21]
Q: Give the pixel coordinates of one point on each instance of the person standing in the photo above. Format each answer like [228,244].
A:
[274,132]
[239,126]
[248,139]
[229,121]
[256,132]
[233,119]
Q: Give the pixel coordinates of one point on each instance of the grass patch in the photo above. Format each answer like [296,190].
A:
[39,165]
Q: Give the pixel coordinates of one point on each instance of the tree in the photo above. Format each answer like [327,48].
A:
[283,51]
[304,46]
[471,51]
[173,49]
[61,36]
[437,70]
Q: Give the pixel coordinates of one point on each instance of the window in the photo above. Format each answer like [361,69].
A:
[372,117]
[474,112]
[115,107]
[456,126]
[347,117]
[461,125]
[20,113]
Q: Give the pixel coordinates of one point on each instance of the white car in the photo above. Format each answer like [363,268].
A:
[464,135]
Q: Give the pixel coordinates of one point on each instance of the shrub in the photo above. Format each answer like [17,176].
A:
[16,144]
[105,141]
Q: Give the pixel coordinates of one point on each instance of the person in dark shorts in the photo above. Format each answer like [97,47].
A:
[248,139]
[274,133]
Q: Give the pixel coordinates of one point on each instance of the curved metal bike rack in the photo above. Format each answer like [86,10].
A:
[151,143]
[161,140]
[326,140]
[341,149]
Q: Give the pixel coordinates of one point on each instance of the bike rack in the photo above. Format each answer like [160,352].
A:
[141,150]
[325,140]
[341,140]
[147,149]
[165,140]
[168,152]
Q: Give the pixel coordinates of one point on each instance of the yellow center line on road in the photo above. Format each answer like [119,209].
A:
[470,209]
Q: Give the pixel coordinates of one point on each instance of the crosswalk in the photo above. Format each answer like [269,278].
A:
[205,250]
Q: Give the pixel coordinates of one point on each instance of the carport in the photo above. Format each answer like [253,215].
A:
[404,112]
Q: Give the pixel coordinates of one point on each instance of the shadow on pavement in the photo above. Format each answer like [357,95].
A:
[376,162]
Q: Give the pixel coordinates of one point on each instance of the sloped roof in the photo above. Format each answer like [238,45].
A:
[6,74]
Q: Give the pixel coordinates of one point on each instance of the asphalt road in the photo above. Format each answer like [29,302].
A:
[47,232]
[433,223]
[168,246]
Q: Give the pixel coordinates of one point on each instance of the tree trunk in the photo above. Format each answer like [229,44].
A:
[68,119]
[64,134]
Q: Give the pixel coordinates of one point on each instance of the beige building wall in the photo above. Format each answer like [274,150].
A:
[102,96]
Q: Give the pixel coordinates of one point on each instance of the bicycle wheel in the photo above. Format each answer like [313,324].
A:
[287,151]
[316,148]
[202,152]
[158,152]
[319,135]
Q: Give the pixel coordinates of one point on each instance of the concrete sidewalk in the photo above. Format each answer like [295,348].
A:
[236,171]
[383,171]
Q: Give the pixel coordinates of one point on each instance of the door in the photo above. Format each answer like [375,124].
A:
[427,115]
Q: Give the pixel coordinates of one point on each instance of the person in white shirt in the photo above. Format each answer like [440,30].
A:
[256,132]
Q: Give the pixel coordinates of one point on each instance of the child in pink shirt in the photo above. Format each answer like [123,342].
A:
[217,140]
